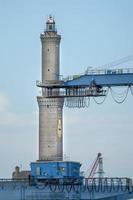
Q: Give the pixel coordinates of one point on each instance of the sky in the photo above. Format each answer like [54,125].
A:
[94,32]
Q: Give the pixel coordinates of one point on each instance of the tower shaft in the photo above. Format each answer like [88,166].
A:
[50,110]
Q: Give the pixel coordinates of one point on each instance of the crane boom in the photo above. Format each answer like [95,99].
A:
[107,79]
[98,162]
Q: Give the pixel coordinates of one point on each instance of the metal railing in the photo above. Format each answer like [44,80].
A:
[101,185]
[73,92]
[100,72]
[109,71]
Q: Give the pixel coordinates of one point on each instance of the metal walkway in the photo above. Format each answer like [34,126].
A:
[104,80]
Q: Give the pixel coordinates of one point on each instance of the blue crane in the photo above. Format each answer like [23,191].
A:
[92,82]
[78,89]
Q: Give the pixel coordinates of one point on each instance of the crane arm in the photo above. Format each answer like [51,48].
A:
[107,79]
[96,163]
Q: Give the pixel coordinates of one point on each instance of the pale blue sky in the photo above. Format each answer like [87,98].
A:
[94,32]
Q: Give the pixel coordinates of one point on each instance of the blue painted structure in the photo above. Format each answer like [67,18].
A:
[54,170]
[104,80]
[109,190]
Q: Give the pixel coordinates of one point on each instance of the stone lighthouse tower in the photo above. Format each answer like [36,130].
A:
[50,109]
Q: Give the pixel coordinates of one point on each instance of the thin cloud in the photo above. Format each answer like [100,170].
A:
[8,118]
[4,101]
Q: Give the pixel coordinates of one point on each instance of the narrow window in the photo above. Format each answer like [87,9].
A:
[38,171]
[50,27]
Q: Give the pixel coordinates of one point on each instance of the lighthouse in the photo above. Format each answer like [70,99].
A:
[50,110]
[50,164]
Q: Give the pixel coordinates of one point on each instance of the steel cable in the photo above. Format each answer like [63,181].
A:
[60,186]
[131,89]
[52,187]
[124,187]
[77,102]
[109,186]
[87,102]
[105,184]
[68,188]
[120,94]
[116,186]
[103,100]
[82,102]
[102,185]
[88,185]
[76,188]
[95,186]
[82,188]
[116,100]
